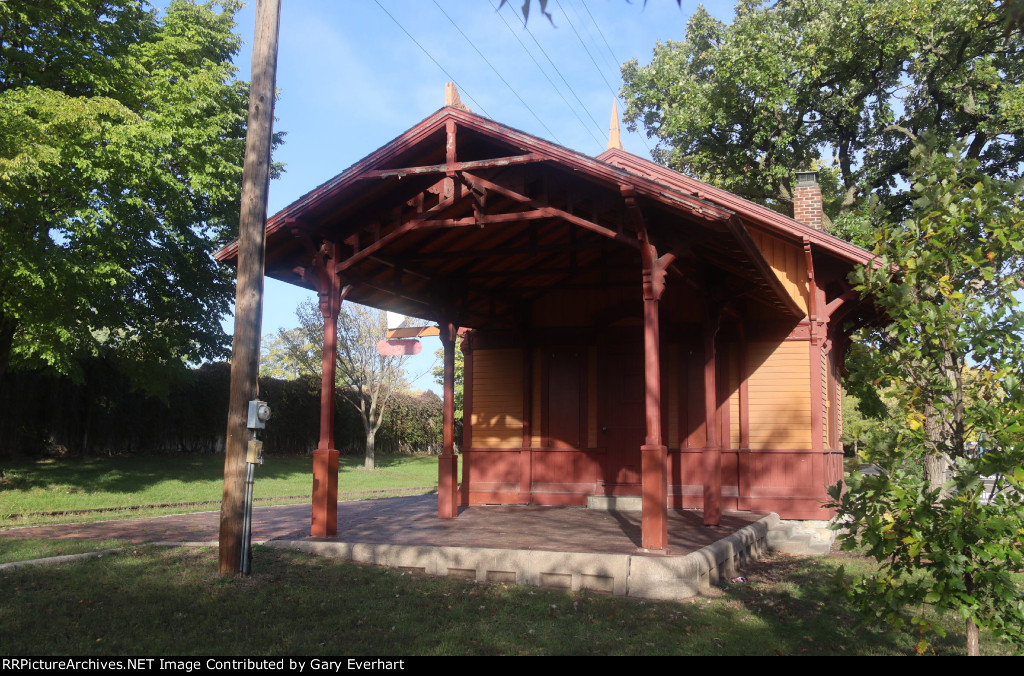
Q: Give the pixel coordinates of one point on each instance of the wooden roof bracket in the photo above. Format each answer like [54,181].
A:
[819,325]
[771,280]
[426,217]
[838,302]
[322,260]
[542,210]
[654,267]
[471,165]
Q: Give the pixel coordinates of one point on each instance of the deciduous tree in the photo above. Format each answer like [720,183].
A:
[368,379]
[121,140]
[951,351]
[801,84]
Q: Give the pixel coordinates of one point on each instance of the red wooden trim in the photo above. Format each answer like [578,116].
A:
[837,302]
[653,455]
[525,496]
[583,365]
[447,462]
[814,355]
[545,438]
[812,297]
[467,413]
[613,167]
[330,306]
[527,396]
[724,407]
[777,222]
[547,210]
[511,217]
[325,493]
[526,455]
[454,166]
[712,459]
[412,224]
[683,389]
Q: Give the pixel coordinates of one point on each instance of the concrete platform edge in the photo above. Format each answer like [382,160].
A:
[636,575]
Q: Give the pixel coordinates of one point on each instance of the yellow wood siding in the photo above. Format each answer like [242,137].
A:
[788,262]
[780,395]
[497,398]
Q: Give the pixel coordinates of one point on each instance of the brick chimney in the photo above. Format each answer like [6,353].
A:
[807,200]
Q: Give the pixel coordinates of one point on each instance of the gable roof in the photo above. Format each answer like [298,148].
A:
[444,219]
[781,224]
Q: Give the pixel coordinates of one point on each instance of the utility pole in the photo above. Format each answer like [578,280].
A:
[245,346]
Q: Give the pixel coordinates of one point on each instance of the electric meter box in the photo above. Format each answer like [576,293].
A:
[259,414]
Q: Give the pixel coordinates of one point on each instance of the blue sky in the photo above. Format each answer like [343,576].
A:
[351,79]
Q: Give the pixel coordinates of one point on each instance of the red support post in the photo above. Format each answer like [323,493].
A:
[325,457]
[448,462]
[653,454]
[712,455]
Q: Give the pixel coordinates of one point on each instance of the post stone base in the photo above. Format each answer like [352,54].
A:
[447,486]
[325,493]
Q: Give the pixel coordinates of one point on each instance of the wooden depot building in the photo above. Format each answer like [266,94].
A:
[627,330]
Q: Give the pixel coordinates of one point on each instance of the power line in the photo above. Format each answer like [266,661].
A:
[587,50]
[615,59]
[594,61]
[443,70]
[548,78]
[500,77]
[569,86]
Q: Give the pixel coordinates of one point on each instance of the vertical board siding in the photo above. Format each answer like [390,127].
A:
[825,417]
[779,394]
[788,262]
[537,401]
[497,398]
[696,434]
[571,307]
[592,396]
[734,397]
[670,392]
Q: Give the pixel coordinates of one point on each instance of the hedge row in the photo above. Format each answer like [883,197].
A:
[104,415]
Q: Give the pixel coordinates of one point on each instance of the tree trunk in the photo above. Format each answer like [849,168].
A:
[973,639]
[371,435]
[6,344]
[936,470]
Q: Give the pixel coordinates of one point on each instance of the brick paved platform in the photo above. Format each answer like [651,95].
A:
[413,520]
[569,547]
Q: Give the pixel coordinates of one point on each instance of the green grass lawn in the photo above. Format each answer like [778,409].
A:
[30,490]
[25,549]
[169,601]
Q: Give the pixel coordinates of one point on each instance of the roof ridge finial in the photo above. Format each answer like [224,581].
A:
[614,139]
[451,97]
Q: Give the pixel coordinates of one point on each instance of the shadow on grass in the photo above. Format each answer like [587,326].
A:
[797,599]
[136,473]
[170,602]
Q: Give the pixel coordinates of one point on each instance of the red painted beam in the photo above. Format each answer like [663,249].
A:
[528,158]
[447,462]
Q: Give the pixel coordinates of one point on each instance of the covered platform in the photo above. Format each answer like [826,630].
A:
[628,332]
[559,547]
